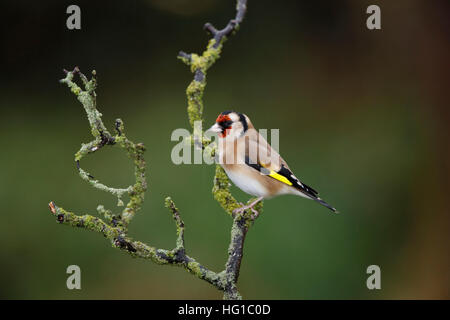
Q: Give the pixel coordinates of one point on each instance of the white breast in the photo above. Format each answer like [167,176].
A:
[250,186]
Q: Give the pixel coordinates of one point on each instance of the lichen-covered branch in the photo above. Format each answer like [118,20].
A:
[120,240]
[114,225]
[199,65]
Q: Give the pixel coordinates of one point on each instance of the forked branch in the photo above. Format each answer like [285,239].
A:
[114,225]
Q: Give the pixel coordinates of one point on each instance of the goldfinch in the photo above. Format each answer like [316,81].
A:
[252,165]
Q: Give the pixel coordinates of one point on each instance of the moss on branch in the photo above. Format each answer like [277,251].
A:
[114,227]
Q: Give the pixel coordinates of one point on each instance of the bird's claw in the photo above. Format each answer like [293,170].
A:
[242,209]
[255,214]
[239,210]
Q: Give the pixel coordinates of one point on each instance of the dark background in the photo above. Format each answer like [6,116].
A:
[363,117]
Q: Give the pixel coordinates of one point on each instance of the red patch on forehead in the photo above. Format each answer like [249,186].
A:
[223,118]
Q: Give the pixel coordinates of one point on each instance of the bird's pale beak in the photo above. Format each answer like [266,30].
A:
[215,128]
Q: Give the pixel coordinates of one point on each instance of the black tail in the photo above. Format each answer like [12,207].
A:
[324,204]
[313,194]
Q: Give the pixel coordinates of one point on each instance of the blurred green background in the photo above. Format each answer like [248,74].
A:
[363,117]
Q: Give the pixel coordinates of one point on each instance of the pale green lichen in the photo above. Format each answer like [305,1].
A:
[87,98]
[194,92]
[100,186]
[221,191]
[86,221]
[179,223]
[115,227]
[195,104]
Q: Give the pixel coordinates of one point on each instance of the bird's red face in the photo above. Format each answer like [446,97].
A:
[230,124]
[223,125]
[223,118]
[224,122]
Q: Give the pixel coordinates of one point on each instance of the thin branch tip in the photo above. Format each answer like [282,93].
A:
[210,28]
[52,207]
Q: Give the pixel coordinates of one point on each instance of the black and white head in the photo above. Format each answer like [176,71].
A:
[231,124]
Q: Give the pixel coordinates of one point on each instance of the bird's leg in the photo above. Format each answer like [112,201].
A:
[250,206]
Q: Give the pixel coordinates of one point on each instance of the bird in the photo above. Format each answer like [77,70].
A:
[253,165]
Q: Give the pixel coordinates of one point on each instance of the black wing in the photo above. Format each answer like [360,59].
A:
[286,173]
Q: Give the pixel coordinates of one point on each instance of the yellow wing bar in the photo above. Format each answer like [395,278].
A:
[279,177]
